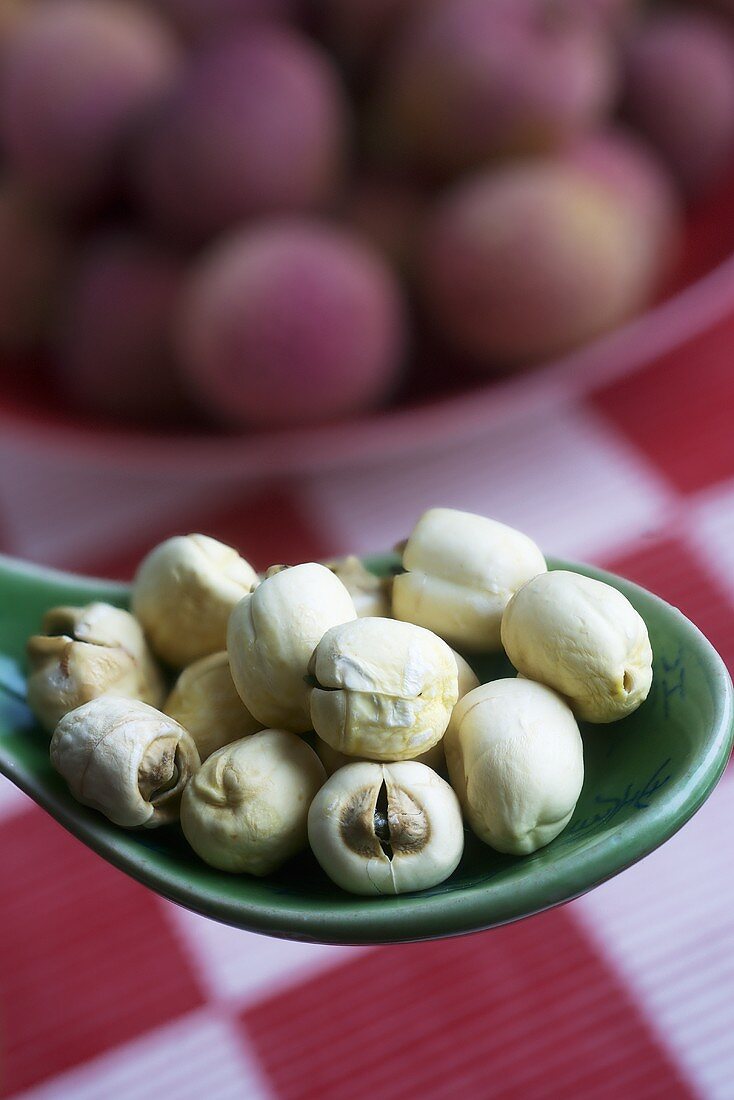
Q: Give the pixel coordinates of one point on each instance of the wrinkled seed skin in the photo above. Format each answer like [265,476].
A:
[86,652]
[204,701]
[385,689]
[112,752]
[271,638]
[246,810]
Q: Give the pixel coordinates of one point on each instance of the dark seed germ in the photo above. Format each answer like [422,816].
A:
[382,824]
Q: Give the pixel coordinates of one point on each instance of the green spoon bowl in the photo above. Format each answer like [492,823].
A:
[645,777]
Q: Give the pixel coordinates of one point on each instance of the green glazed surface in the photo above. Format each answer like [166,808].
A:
[645,777]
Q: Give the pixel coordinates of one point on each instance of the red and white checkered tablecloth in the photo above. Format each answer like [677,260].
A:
[107,991]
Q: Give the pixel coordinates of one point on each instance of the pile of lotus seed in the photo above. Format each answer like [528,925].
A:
[320,704]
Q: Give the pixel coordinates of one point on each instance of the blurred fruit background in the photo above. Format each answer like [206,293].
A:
[244,215]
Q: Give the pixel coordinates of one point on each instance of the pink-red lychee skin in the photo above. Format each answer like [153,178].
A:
[472,80]
[77,76]
[34,260]
[12,12]
[679,93]
[116,354]
[201,19]
[291,323]
[610,14]
[258,124]
[623,162]
[530,261]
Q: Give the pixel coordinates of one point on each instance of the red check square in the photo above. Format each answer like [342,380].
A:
[529,1010]
[87,958]
[678,410]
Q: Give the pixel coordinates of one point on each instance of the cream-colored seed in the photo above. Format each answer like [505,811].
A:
[332,759]
[372,595]
[386,828]
[434,758]
[468,679]
[461,571]
[584,639]
[183,594]
[384,689]
[85,652]
[204,701]
[247,808]
[271,638]
[125,759]
[515,759]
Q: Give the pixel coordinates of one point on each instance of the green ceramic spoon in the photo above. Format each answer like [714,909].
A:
[645,777]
